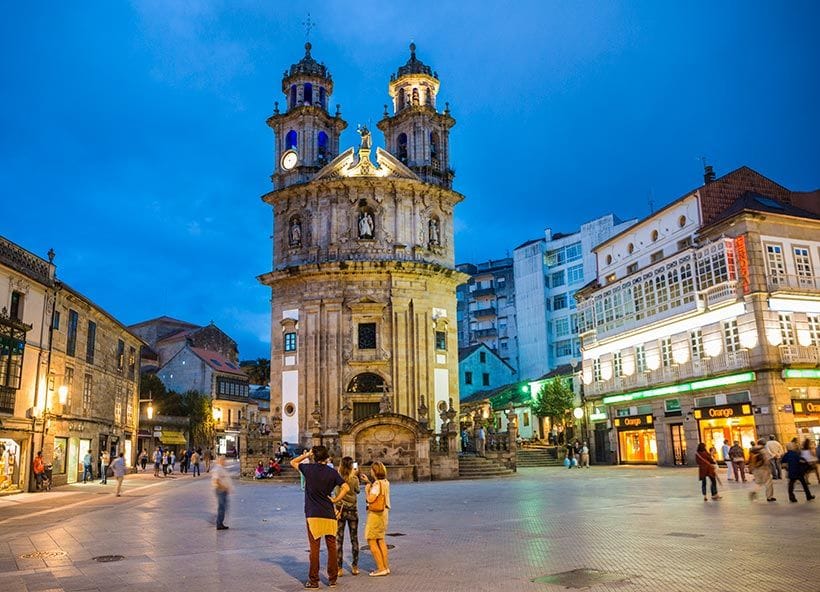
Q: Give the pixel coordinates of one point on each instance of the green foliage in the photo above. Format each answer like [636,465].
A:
[199,411]
[258,370]
[554,399]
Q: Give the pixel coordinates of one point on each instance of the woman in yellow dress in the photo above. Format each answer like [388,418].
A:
[376,527]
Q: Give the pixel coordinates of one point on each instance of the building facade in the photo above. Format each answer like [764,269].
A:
[547,272]
[481,369]
[486,308]
[363,280]
[703,326]
[68,374]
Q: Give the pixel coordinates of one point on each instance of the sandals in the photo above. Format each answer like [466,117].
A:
[375,574]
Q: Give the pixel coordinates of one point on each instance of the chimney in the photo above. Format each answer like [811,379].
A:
[708,173]
[548,234]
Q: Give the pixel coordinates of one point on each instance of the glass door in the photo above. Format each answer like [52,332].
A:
[678,444]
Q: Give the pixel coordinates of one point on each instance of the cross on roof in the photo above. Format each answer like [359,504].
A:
[308,24]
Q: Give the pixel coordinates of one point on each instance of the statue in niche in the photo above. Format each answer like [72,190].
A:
[295,232]
[433,232]
[385,403]
[365,134]
[366,224]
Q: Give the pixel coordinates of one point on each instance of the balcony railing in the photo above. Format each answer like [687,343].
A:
[692,369]
[483,292]
[797,283]
[481,333]
[479,313]
[726,291]
[799,354]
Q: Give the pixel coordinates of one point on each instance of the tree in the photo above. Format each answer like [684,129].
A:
[258,371]
[554,399]
[200,417]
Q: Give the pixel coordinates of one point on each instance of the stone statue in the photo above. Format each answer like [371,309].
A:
[295,232]
[434,232]
[365,134]
[385,404]
[365,225]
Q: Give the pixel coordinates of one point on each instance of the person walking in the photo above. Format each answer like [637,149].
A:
[222,487]
[480,440]
[208,458]
[569,460]
[320,515]
[118,468]
[810,456]
[157,461]
[165,463]
[727,458]
[38,467]
[761,471]
[585,455]
[707,467]
[737,460]
[88,472]
[105,460]
[348,514]
[796,467]
[172,461]
[143,459]
[377,495]
[195,464]
[775,450]
[183,462]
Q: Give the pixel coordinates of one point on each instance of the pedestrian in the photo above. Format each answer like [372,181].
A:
[320,515]
[796,467]
[208,458]
[706,468]
[810,456]
[105,460]
[480,440]
[305,460]
[737,461]
[88,461]
[465,438]
[554,436]
[222,486]
[195,464]
[38,467]
[172,461]
[143,459]
[157,461]
[165,463]
[348,514]
[727,458]
[775,450]
[118,468]
[585,455]
[183,462]
[377,495]
[761,471]
[570,458]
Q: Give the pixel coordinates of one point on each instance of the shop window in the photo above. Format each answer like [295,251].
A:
[59,457]
[638,446]
[468,377]
[441,340]
[71,339]
[290,342]
[367,335]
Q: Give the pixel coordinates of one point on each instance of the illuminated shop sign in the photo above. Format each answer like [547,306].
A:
[806,406]
[724,411]
[801,373]
[684,387]
[634,422]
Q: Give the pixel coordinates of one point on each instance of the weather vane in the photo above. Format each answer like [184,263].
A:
[308,24]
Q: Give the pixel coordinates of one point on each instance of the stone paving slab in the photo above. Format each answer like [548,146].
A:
[606,528]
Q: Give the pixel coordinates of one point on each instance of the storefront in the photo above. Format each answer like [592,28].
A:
[10,455]
[732,423]
[637,443]
[807,419]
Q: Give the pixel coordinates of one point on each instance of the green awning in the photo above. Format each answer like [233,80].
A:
[173,438]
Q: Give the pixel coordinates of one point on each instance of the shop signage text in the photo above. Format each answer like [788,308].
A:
[723,412]
[633,422]
[806,406]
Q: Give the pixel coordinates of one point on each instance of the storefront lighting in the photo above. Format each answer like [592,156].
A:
[801,373]
[150,411]
[597,416]
[578,413]
[685,387]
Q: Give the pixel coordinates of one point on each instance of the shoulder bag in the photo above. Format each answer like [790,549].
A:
[378,504]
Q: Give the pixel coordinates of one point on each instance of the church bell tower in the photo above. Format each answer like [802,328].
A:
[307,136]
[417,134]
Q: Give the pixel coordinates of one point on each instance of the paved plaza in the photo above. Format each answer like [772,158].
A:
[544,530]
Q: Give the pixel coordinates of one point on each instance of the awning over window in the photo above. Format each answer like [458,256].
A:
[172,438]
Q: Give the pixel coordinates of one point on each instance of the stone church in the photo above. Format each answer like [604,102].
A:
[364,282]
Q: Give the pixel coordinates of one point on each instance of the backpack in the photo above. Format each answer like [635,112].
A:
[756,459]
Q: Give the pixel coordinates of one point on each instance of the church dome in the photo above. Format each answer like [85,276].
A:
[307,66]
[414,66]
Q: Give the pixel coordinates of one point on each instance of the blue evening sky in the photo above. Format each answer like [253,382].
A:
[133,136]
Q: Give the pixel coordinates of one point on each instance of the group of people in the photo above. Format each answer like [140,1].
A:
[190,459]
[42,471]
[765,462]
[272,470]
[577,455]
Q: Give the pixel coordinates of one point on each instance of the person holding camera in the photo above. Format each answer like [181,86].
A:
[320,481]
[377,494]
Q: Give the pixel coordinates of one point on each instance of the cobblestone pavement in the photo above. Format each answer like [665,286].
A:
[606,528]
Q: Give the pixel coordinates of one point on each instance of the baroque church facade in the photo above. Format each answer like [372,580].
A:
[364,281]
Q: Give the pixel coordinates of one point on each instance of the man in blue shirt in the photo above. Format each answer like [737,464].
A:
[320,481]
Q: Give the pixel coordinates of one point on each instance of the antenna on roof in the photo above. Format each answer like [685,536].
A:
[708,171]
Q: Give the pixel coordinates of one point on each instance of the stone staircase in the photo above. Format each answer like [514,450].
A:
[477,467]
[538,455]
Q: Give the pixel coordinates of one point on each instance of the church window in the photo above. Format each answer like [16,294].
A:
[415,96]
[366,382]
[441,340]
[321,141]
[308,93]
[291,140]
[434,143]
[292,96]
[367,335]
[322,97]
[402,147]
[401,98]
[290,342]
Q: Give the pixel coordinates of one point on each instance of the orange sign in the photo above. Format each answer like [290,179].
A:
[742,263]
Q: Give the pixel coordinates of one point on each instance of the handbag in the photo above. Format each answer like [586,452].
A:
[378,504]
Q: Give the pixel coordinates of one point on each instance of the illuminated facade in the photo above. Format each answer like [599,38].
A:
[698,318]
[363,281]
